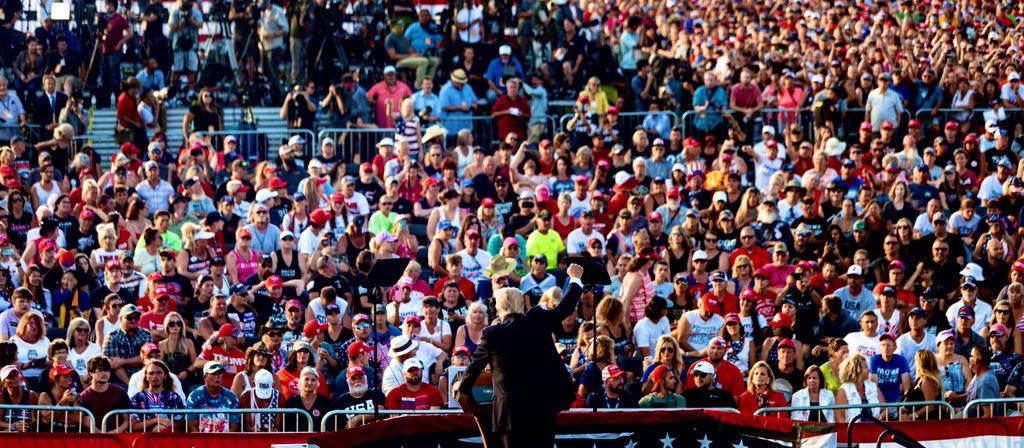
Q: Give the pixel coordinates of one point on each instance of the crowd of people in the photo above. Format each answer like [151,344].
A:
[838,224]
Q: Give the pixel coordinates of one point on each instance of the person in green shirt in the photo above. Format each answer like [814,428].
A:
[383,220]
[663,390]
[544,241]
[837,352]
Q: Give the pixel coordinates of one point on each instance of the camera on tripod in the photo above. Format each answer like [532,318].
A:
[219,11]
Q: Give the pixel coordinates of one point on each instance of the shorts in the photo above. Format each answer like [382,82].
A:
[185,61]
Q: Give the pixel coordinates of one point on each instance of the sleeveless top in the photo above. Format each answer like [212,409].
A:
[469,339]
[643,295]
[676,264]
[738,353]
[246,267]
[953,377]
[351,250]
[197,265]
[263,422]
[714,262]
[962,101]
[289,271]
[13,416]
[623,348]
[773,352]
[108,328]
[177,362]
[463,160]
[854,397]
[44,195]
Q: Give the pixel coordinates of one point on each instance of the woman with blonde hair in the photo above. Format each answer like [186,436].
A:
[928,387]
[747,212]
[856,388]
[597,99]
[668,354]
[265,171]
[579,360]
[108,251]
[80,348]
[408,128]
[178,351]
[1002,313]
[551,298]
[814,393]
[194,259]
[761,391]
[601,355]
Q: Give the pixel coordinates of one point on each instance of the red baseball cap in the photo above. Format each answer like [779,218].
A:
[129,148]
[148,348]
[787,343]
[914,123]
[709,303]
[865,126]
[357,348]
[951,124]
[487,202]
[65,258]
[366,166]
[47,244]
[293,303]
[112,265]
[354,371]
[781,321]
[319,217]
[413,319]
[274,281]
[887,124]
[462,349]
[277,183]
[58,370]
[748,294]
[1018,265]
[655,217]
[338,197]
[228,330]
[313,328]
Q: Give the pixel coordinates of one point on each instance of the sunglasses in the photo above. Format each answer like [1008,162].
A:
[275,334]
[174,323]
[132,318]
[362,325]
[261,212]
[700,374]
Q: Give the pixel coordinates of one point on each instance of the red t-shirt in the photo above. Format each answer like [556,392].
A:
[152,320]
[116,27]
[233,361]
[127,109]
[401,398]
[758,255]
[466,287]
[826,287]
[727,376]
[729,303]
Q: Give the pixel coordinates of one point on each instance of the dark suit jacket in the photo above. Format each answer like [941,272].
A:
[531,384]
[43,114]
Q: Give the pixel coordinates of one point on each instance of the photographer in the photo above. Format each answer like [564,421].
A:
[299,108]
[334,105]
[244,15]
[298,12]
[185,23]
[273,28]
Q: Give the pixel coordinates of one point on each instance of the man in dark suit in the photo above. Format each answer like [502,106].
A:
[48,106]
[531,384]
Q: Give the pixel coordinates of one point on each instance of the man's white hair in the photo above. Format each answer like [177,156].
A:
[508,301]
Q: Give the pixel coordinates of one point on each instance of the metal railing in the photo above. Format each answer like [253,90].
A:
[330,420]
[630,121]
[12,417]
[943,115]
[355,145]
[912,405]
[262,144]
[996,406]
[30,132]
[778,118]
[302,418]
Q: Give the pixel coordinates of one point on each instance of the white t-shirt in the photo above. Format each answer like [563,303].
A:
[891,326]
[646,333]
[28,352]
[861,343]
[473,265]
[702,331]
[414,307]
[135,385]
[576,242]
[440,330]
[472,34]
[908,348]
[317,305]
[308,242]
[982,314]
[80,360]
[991,188]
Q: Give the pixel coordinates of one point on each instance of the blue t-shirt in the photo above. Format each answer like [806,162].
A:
[890,375]
[201,399]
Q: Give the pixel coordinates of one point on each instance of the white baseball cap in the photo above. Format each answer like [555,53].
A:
[265,195]
[769,129]
[296,140]
[389,69]
[972,270]
[505,50]
[264,384]
[204,235]
[411,363]
[700,255]
[855,270]
[704,367]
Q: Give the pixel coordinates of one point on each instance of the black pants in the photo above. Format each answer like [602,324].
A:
[529,437]
[534,435]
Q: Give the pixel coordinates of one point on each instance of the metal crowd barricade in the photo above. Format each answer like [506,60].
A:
[629,120]
[32,415]
[993,404]
[355,145]
[859,407]
[975,115]
[114,419]
[31,133]
[330,420]
[261,144]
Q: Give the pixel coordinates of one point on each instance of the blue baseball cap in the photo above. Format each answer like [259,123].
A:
[445,225]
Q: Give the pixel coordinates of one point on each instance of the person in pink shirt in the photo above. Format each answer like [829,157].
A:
[387,96]
[779,268]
